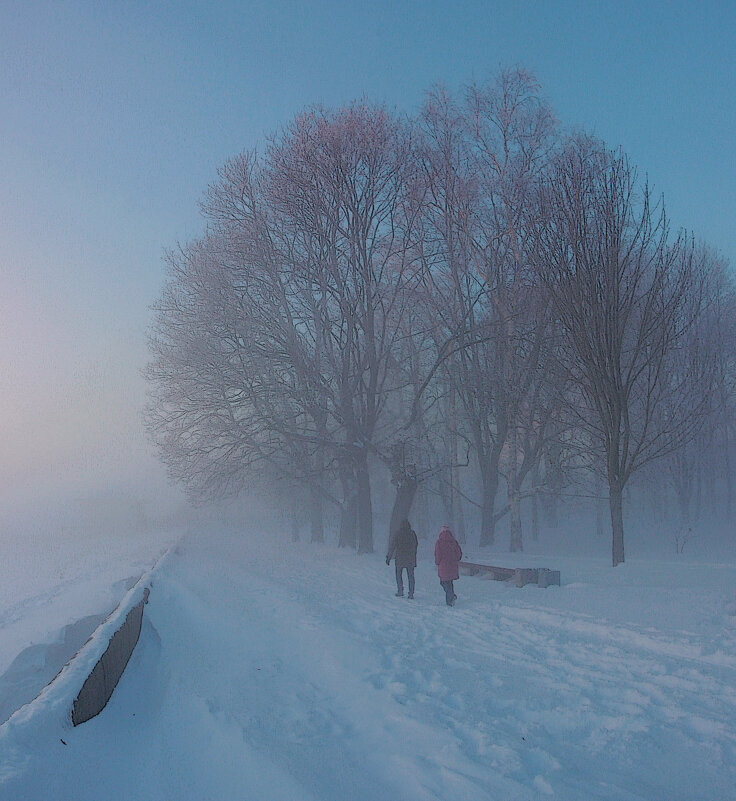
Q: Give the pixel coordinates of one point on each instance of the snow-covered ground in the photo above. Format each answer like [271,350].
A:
[59,578]
[275,672]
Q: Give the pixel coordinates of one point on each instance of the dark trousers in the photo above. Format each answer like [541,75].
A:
[400,579]
[449,592]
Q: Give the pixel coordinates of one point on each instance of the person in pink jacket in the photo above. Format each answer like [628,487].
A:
[447,554]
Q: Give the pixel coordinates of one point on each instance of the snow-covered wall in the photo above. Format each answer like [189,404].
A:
[85,684]
[103,679]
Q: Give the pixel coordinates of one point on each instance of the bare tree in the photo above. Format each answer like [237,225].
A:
[724,434]
[510,137]
[627,299]
[294,322]
[705,351]
[232,400]
[372,292]
[456,293]
[340,183]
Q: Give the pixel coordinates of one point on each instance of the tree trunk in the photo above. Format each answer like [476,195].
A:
[349,508]
[458,516]
[513,493]
[421,515]
[553,482]
[516,542]
[488,520]
[551,504]
[456,503]
[535,502]
[617,522]
[295,526]
[316,498]
[729,477]
[445,491]
[316,515]
[599,505]
[348,513]
[406,489]
[684,481]
[365,506]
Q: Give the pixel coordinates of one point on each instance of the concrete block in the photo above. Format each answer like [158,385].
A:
[526,575]
[103,679]
[548,578]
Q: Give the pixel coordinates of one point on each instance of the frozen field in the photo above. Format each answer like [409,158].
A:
[274,673]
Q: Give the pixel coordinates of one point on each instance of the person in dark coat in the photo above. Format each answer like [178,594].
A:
[402,547]
[447,555]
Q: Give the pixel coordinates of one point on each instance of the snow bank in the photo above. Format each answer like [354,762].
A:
[84,685]
[54,573]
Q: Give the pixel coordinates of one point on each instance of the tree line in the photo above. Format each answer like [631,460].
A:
[471,301]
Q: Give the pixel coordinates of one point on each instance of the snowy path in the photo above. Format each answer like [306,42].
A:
[555,701]
[300,676]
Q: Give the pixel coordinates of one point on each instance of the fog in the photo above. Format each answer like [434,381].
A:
[71,425]
[107,150]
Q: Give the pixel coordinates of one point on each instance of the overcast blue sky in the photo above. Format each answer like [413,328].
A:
[116,115]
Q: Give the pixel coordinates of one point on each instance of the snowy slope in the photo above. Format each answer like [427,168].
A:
[276,673]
